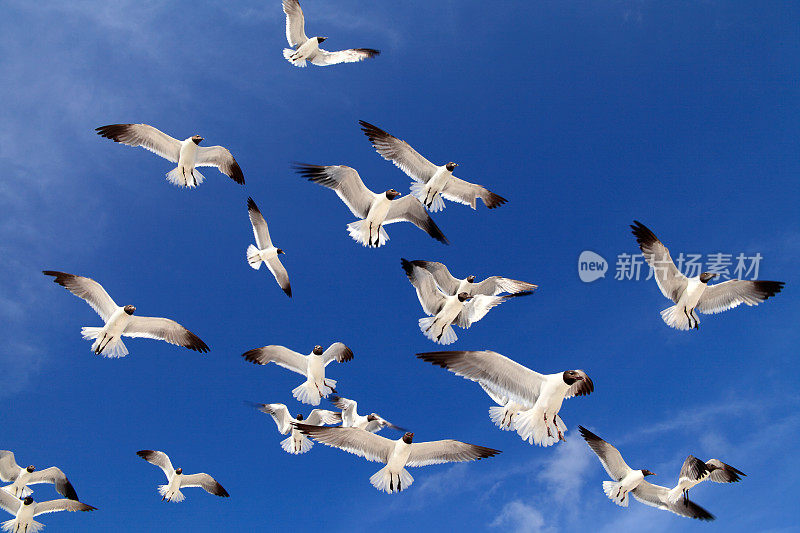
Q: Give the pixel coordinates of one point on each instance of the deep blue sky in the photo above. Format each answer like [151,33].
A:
[584,114]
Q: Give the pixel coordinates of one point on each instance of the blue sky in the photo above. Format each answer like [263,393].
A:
[584,114]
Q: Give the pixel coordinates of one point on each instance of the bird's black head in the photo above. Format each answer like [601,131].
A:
[179,470]
[129,309]
[391,194]
[372,417]
[470,279]
[28,500]
[280,251]
[317,350]
[711,467]
[408,438]
[646,472]
[196,139]
[705,277]
[451,166]
[571,376]
[30,468]
[320,39]
[464,296]
[299,417]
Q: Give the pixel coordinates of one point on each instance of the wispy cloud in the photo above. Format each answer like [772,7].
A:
[521,517]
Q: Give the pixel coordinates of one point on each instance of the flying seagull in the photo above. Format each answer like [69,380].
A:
[20,478]
[177,480]
[431,182]
[629,481]
[25,510]
[694,294]
[491,286]
[695,471]
[120,321]
[187,154]
[461,309]
[396,455]
[350,417]
[308,49]
[296,443]
[374,210]
[312,366]
[540,394]
[265,251]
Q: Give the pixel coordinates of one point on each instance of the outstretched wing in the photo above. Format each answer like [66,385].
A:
[160,459]
[279,413]
[727,295]
[724,473]
[446,451]
[55,476]
[220,157]
[399,152]
[164,329]
[467,193]
[145,136]
[260,229]
[9,469]
[500,373]
[337,352]
[8,502]
[295,23]
[656,496]
[317,417]
[357,441]
[345,181]
[353,55]
[609,456]
[671,282]
[87,289]
[206,482]
[444,279]
[409,209]
[279,355]
[63,504]
[430,297]
[477,308]
[693,469]
[494,285]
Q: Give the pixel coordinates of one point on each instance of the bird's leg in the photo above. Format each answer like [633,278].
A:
[686,314]
[193,178]
[549,433]
[560,435]
[685,496]
[619,490]
[696,322]
[103,347]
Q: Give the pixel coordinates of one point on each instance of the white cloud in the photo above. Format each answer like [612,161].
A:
[564,474]
[520,517]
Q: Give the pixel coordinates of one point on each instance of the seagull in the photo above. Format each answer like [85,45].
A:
[374,210]
[296,443]
[629,481]
[396,455]
[461,309]
[540,394]
[177,480]
[120,321]
[20,477]
[312,366]
[187,154]
[491,286]
[25,510]
[431,182]
[308,49]
[695,471]
[350,417]
[265,251]
[694,294]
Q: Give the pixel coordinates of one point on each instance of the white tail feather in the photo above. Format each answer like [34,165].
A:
[531,426]
[307,393]
[114,348]
[498,415]
[387,481]
[420,192]
[176,496]
[183,178]
[32,527]
[296,447]
[431,330]
[611,488]
[360,232]
[675,319]
[674,494]
[288,53]
[253,257]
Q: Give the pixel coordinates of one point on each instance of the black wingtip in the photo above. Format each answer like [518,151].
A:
[369,52]
[251,205]
[493,200]
[287,290]
[195,343]
[145,454]
[408,267]
[112,131]
[236,173]
[69,491]
[643,234]
[252,356]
